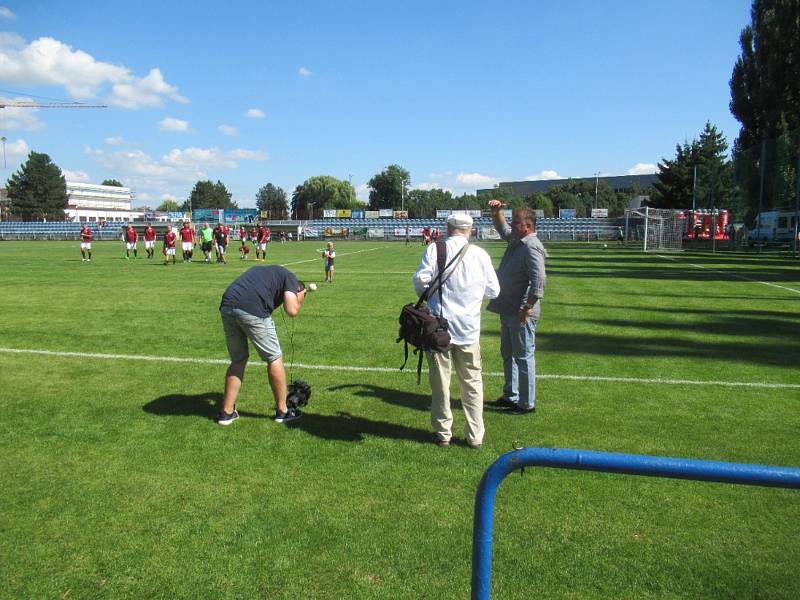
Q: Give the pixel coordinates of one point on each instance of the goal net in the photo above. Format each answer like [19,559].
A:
[655,229]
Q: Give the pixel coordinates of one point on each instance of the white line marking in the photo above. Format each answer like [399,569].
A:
[788,289]
[220,361]
[298,262]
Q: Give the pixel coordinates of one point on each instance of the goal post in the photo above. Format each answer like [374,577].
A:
[655,229]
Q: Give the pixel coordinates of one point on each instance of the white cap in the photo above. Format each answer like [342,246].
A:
[459,221]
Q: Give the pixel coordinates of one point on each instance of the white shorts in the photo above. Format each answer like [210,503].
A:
[149,244]
[187,246]
[170,251]
[262,247]
[130,245]
[221,248]
[86,245]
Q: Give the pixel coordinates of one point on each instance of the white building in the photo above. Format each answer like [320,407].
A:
[97,203]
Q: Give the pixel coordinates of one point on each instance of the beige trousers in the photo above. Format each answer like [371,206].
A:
[467,363]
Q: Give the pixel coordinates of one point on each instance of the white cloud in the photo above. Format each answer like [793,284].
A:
[170,124]
[228,130]
[19,148]
[362,192]
[168,197]
[25,119]
[5,13]
[47,61]
[255,113]
[76,176]
[304,72]
[248,154]
[642,169]
[9,39]
[546,174]
[427,186]
[174,173]
[476,180]
[115,140]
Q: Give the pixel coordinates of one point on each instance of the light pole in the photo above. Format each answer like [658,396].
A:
[596,182]
[311,204]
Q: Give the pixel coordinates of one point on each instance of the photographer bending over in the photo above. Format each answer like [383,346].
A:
[246,310]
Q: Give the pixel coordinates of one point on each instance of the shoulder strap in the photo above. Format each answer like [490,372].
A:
[441,262]
[439,281]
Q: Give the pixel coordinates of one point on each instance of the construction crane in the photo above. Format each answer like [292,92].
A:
[22,104]
[25,104]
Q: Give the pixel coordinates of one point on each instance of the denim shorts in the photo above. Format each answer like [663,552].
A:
[240,326]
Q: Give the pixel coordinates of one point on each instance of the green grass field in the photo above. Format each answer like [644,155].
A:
[116,482]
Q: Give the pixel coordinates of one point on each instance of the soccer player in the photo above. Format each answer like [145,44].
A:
[131,238]
[221,242]
[244,250]
[328,256]
[170,238]
[150,240]
[206,240]
[187,241]
[263,238]
[86,243]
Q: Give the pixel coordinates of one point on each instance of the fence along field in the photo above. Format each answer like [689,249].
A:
[118,482]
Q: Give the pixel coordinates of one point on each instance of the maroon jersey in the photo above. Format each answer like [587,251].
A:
[131,235]
[187,234]
[243,234]
[263,235]
[86,234]
[149,234]
[169,239]
[254,234]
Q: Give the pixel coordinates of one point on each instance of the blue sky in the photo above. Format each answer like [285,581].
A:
[462,94]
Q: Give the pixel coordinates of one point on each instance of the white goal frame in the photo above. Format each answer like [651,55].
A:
[658,229]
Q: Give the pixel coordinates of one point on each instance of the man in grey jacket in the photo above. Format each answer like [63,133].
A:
[522,281]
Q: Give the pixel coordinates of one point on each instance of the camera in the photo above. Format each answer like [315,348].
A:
[299,392]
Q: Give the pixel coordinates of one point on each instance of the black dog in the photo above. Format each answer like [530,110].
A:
[299,394]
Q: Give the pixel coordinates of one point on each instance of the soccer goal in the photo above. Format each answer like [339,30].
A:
[656,229]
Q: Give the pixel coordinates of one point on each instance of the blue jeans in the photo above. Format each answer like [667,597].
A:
[517,345]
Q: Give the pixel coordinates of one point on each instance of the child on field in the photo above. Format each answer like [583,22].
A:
[328,256]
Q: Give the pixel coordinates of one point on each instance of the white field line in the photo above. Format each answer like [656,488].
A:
[782,287]
[220,361]
[308,260]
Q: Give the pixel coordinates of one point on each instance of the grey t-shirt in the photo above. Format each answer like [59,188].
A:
[259,290]
[521,273]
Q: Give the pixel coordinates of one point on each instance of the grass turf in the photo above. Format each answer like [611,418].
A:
[118,483]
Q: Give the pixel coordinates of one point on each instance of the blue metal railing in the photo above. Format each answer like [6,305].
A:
[607,462]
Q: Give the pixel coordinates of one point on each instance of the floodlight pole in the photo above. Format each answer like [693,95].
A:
[596,181]
[762,168]
[796,250]
[694,189]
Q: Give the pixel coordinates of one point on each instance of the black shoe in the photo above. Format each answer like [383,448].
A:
[518,411]
[224,418]
[290,415]
[440,442]
[503,403]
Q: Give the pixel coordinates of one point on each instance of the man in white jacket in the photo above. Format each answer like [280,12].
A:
[469,280]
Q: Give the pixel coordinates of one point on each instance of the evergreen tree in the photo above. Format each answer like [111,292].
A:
[765,99]
[209,195]
[38,191]
[112,182]
[677,185]
[389,187]
[273,199]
